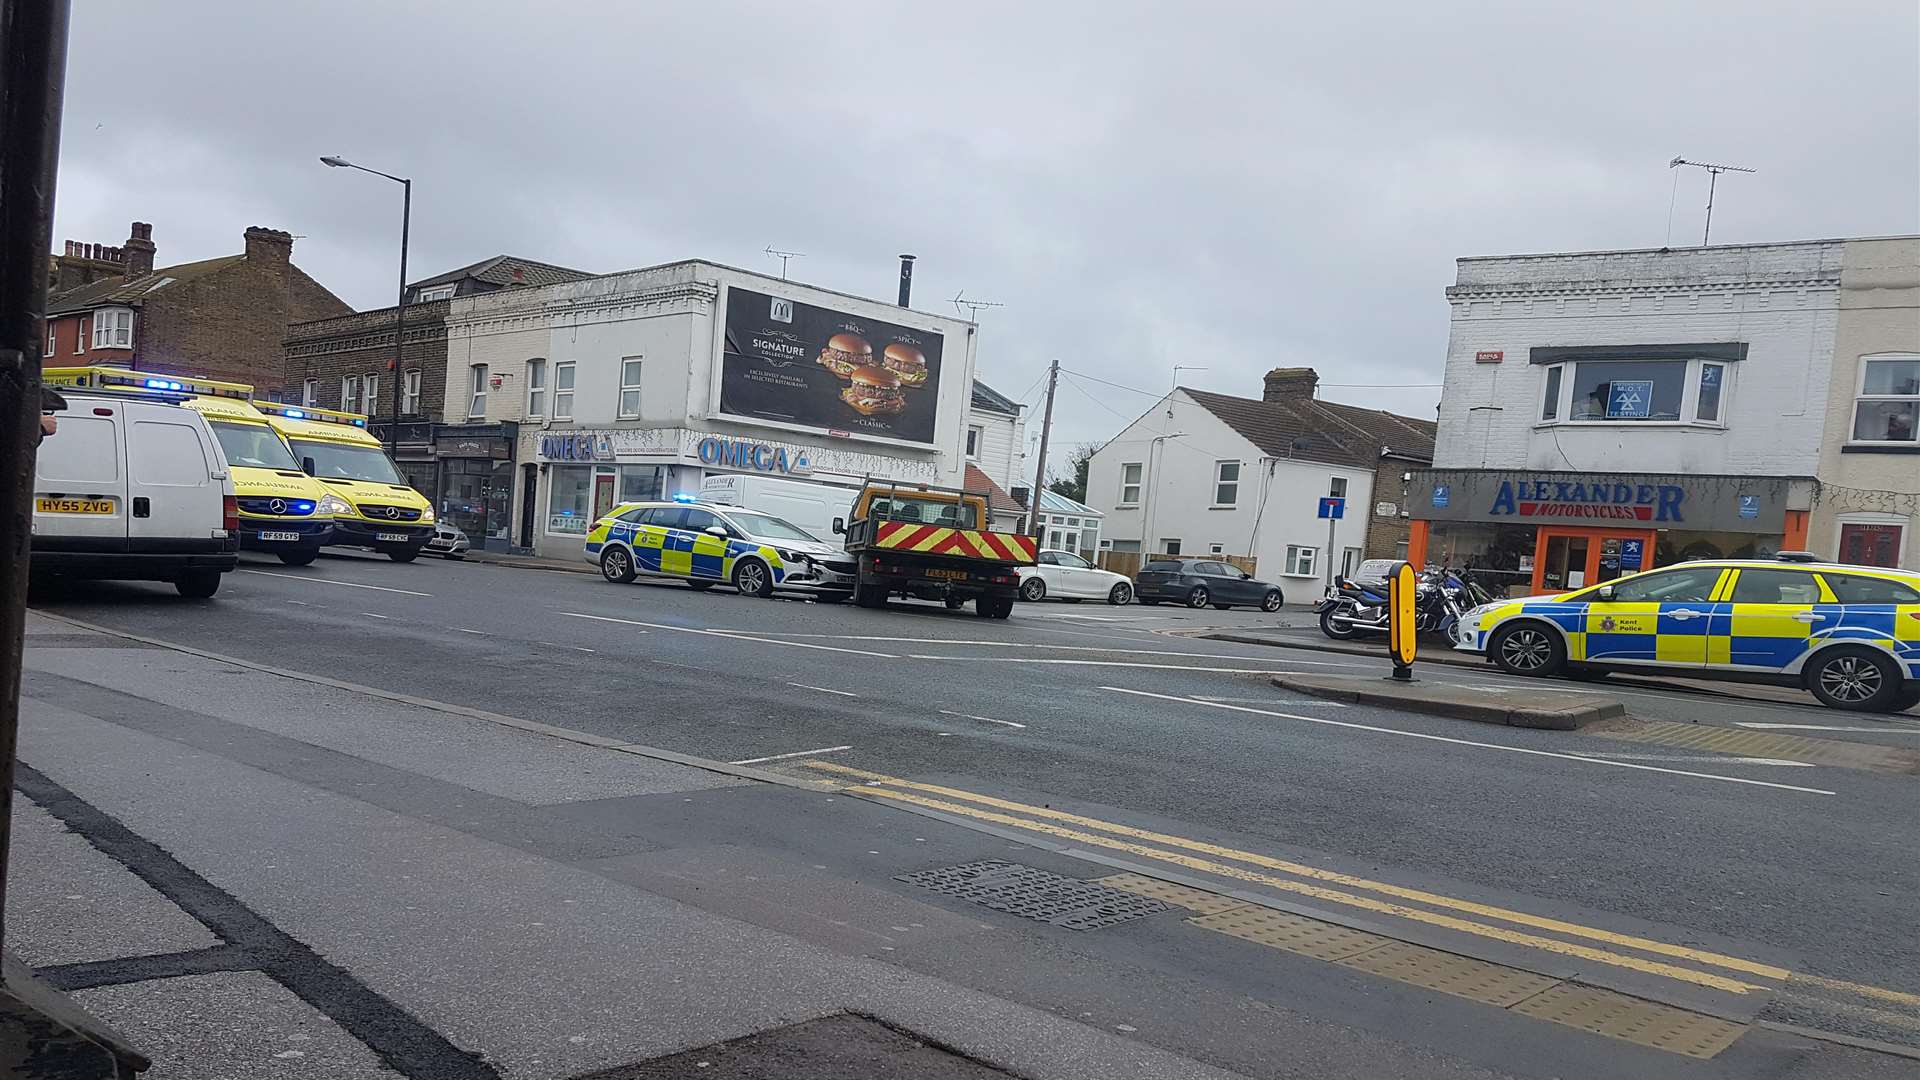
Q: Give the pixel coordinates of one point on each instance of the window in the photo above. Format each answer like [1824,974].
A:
[536,388]
[1691,585]
[1226,483]
[350,393]
[1633,391]
[1776,587]
[1337,487]
[1216,549]
[633,516]
[563,391]
[1072,562]
[477,392]
[254,446]
[410,392]
[113,328]
[1048,558]
[630,389]
[1707,405]
[438,292]
[1300,560]
[1854,589]
[310,392]
[1130,483]
[568,493]
[699,520]
[642,483]
[1872,543]
[167,454]
[1887,409]
[666,517]
[974,435]
[1550,405]
[1170,547]
[50,338]
[371,395]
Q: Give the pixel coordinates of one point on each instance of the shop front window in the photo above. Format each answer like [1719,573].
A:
[1635,391]
[642,483]
[569,506]
[475,494]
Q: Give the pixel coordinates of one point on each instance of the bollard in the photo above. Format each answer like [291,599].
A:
[1401,630]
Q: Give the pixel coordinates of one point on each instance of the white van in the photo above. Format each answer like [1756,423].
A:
[809,505]
[137,490]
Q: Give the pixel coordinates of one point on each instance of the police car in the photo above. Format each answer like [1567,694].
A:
[1848,634]
[706,544]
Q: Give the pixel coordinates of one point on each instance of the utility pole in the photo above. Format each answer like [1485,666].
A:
[1040,474]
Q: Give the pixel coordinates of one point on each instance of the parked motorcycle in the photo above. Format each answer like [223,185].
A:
[1441,596]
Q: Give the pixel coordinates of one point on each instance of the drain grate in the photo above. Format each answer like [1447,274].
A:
[1033,893]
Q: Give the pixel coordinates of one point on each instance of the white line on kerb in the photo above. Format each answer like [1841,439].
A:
[1468,742]
[796,753]
[984,719]
[330,581]
[464,630]
[734,635]
[371,615]
[1106,663]
[821,689]
[1890,729]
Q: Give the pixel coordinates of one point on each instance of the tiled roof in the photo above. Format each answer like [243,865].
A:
[1316,430]
[119,291]
[508,270]
[986,397]
[997,498]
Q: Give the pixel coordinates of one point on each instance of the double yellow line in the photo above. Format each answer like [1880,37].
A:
[1317,880]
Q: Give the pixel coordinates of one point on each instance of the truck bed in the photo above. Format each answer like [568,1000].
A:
[906,537]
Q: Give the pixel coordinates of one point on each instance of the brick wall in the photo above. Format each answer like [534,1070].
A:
[360,344]
[1386,535]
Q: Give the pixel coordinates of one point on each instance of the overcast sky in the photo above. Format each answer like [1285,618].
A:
[1232,187]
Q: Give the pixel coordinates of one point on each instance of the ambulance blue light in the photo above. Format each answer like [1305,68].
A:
[293,414]
[163,384]
[303,506]
[684,497]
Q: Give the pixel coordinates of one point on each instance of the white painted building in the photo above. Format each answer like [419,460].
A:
[996,438]
[638,385]
[1209,474]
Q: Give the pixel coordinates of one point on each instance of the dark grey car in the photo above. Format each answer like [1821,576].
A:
[1200,582]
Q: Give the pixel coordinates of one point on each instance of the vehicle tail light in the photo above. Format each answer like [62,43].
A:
[230,513]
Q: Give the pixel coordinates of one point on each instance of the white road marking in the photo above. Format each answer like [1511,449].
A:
[795,754]
[734,635]
[583,648]
[1469,742]
[1069,648]
[986,719]
[302,603]
[1315,702]
[330,581]
[371,615]
[1091,618]
[1894,729]
[822,689]
[464,630]
[1107,663]
[1702,759]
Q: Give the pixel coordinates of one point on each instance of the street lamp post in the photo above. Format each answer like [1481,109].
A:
[400,308]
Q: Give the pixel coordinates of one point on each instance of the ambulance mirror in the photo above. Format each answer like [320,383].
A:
[307,466]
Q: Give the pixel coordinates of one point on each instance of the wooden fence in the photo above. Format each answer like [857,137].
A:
[1128,562]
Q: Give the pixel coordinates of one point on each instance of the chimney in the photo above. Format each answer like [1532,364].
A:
[1286,383]
[269,246]
[906,279]
[139,251]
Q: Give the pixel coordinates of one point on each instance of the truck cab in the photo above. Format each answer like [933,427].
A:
[371,504]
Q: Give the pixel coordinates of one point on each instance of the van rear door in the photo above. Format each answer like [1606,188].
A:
[80,485]
[176,479]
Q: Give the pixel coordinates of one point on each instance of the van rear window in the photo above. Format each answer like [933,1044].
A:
[83,451]
[167,454]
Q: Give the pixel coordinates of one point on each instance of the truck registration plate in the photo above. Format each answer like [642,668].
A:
[391,538]
[74,506]
[280,536]
[954,575]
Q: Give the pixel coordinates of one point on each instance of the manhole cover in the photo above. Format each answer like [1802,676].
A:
[1033,893]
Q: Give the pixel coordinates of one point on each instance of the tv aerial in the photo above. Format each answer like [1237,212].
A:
[1713,178]
[976,306]
[783,256]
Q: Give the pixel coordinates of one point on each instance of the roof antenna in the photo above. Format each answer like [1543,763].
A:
[783,256]
[976,306]
[1713,178]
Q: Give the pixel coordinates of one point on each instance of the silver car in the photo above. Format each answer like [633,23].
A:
[448,541]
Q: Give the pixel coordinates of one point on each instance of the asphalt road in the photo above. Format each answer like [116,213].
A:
[1122,716]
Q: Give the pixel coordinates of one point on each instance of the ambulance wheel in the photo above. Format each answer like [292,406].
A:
[616,565]
[752,578]
[198,585]
[1528,649]
[299,556]
[401,554]
[1856,678]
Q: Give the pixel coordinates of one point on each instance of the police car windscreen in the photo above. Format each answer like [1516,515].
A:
[768,527]
[336,461]
[254,446]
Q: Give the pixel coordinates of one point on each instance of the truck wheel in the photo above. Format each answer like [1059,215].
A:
[955,603]
[616,565]
[1856,678]
[299,556]
[870,596]
[1033,590]
[1002,606]
[199,584]
[752,578]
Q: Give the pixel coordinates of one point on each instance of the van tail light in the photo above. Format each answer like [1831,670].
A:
[230,513]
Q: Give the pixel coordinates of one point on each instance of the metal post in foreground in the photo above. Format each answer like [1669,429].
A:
[1401,630]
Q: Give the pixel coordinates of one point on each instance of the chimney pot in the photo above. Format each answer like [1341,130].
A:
[138,251]
[270,246]
[1283,384]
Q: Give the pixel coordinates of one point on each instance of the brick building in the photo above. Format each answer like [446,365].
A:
[222,318]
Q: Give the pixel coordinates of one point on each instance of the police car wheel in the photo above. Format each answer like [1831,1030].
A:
[1858,678]
[751,578]
[1908,698]
[1528,649]
[616,565]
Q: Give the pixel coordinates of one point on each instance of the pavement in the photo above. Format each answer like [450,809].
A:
[450,819]
[1542,709]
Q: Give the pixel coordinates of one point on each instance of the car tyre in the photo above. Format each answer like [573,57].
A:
[456,556]
[1033,590]
[752,578]
[1272,601]
[955,603]
[1856,678]
[699,586]
[199,584]
[1120,595]
[1000,606]
[402,554]
[1223,607]
[298,557]
[1908,698]
[616,565]
[1529,649]
[1198,597]
[1144,602]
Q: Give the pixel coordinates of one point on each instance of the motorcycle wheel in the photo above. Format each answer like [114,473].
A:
[1334,630]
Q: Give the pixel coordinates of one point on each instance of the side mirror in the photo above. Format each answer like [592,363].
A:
[716,530]
[839,526]
[306,465]
[1605,593]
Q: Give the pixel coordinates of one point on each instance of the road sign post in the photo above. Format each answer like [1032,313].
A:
[1333,508]
[1401,631]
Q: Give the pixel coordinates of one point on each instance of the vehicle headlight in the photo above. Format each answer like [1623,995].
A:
[332,505]
[427,515]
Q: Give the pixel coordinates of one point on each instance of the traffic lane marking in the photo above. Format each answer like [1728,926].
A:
[371,615]
[1315,873]
[1103,663]
[328,581]
[795,754]
[1471,742]
[1069,648]
[734,635]
[823,690]
[985,719]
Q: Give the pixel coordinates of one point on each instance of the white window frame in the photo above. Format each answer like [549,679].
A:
[410,392]
[1301,561]
[975,436]
[564,410]
[1336,487]
[52,336]
[1135,485]
[437,292]
[477,376]
[1689,394]
[110,330]
[1216,549]
[1861,396]
[536,388]
[639,372]
[310,393]
[1167,542]
[370,394]
[349,393]
[1218,483]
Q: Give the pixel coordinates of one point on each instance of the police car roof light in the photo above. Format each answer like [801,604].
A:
[1796,556]
[684,497]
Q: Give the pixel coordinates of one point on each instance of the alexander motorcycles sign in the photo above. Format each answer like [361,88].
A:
[1744,504]
[1596,500]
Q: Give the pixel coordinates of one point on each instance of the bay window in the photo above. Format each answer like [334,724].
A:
[1601,391]
[1887,408]
[113,328]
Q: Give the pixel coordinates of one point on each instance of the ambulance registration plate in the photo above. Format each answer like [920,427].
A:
[294,536]
[74,506]
[391,538]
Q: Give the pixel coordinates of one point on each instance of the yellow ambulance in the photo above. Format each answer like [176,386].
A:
[371,504]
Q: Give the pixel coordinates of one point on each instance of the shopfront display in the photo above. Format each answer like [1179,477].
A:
[476,475]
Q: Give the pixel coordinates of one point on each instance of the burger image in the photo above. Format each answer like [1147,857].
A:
[872,390]
[906,362]
[844,353]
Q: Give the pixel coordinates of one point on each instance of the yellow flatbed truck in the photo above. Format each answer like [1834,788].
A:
[932,544]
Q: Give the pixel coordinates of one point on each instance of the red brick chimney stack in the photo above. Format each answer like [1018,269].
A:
[138,251]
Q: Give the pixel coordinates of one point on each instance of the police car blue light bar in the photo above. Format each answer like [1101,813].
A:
[684,497]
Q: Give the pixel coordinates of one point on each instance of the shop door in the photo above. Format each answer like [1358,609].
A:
[1870,545]
[1564,565]
[602,495]
[529,490]
[1568,559]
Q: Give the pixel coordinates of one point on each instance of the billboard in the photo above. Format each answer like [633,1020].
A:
[793,363]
